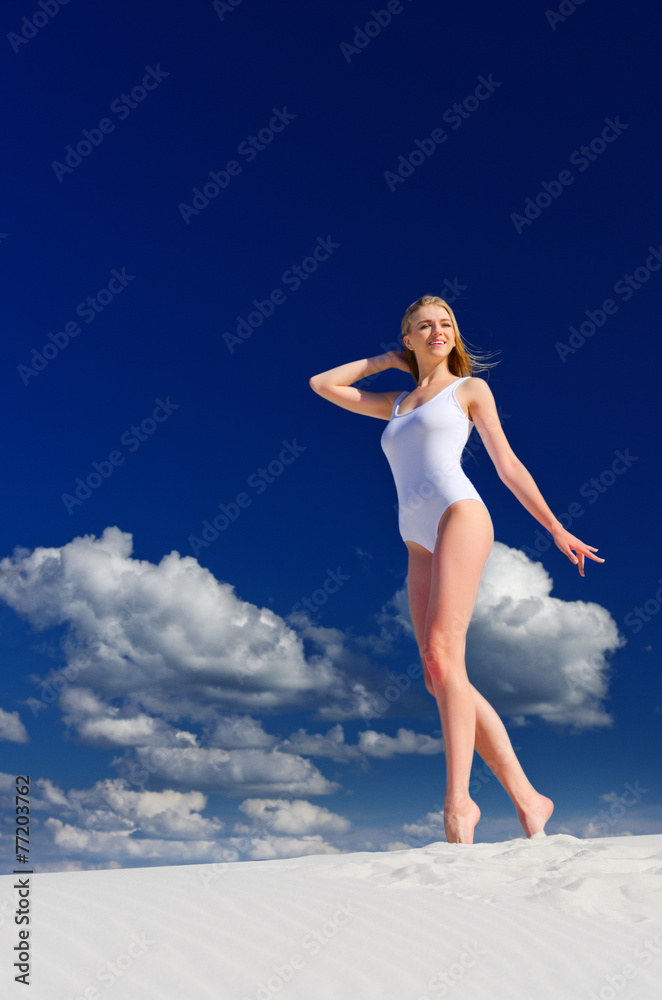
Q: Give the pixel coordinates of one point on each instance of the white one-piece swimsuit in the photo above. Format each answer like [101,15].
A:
[423,448]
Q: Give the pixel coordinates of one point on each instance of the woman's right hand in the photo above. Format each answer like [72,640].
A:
[398,359]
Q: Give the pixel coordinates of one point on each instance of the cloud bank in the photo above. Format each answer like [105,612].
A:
[166,665]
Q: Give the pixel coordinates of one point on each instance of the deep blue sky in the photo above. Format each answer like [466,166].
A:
[349,119]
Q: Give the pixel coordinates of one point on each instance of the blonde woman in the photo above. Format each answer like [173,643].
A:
[449,535]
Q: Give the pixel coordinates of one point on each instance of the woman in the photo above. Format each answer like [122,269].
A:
[448,533]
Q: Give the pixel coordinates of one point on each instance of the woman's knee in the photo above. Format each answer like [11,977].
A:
[446,639]
[443,654]
[429,686]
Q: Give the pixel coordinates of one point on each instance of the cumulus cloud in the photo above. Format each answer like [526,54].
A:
[426,830]
[99,723]
[429,825]
[112,824]
[112,806]
[293,816]
[7,784]
[331,744]
[11,727]
[380,745]
[232,772]
[149,645]
[170,636]
[529,653]
[269,847]
[119,846]
[533,654]
[395,615]
[235,732]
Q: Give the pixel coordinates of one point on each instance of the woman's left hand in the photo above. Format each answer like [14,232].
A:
[574,549]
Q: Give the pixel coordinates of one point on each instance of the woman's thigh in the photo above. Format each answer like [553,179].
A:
[419,577]
[464,542]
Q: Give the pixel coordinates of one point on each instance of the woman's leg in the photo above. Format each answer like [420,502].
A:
[494,746]
[464,541]
[491,738]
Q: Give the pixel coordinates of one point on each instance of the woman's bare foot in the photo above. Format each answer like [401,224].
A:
[460,819]
[534,813]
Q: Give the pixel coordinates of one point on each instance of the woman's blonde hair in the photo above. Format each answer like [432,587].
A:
[462,360]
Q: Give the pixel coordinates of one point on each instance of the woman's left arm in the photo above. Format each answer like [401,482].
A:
[478,397]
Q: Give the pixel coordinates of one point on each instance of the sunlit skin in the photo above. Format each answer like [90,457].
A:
[443,585]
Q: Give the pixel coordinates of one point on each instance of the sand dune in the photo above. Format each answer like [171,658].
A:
[550,917]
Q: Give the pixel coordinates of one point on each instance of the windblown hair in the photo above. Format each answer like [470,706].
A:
[463,360]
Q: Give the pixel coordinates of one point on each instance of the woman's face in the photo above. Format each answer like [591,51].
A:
[431,333]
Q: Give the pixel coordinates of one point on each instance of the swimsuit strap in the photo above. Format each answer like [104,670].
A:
[397,402]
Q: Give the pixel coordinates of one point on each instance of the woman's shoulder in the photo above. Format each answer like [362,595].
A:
[475,385]
[474,392]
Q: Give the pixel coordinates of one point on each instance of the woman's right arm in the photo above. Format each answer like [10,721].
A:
[336,385]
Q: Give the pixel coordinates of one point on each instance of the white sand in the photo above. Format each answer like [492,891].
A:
[550,917]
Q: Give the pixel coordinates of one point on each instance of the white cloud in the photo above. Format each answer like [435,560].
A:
[428,826]
[296,816]
[395,615]
[426,830]
[119,845]
[169,635]
[380,745]
[112,824]
[7,783]
[100,724]
[112,806]
[155,645]
[11,727]
[332,745]
[268,848]
[531,654]
[232,772]
[234,732]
